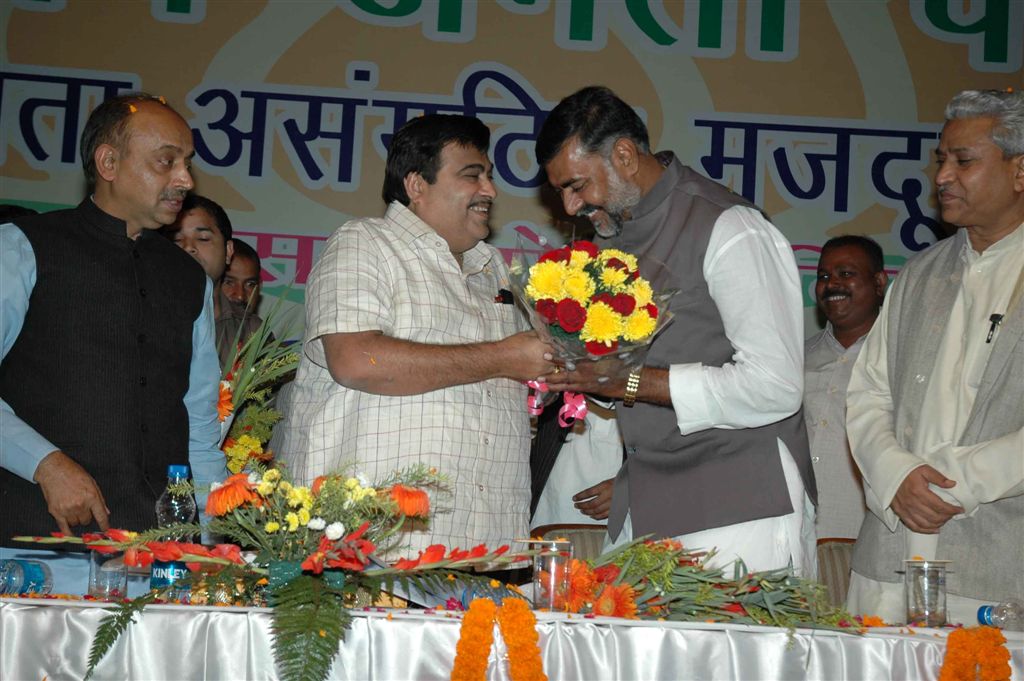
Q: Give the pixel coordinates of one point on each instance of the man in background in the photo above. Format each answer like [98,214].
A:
[849,291]
[412,353]
[203,230]
[108,371]
[934,406]
[716,450]
[242,283]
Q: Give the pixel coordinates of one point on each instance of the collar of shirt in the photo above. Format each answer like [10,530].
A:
[106,223]
[411,229]
[1013,241]
[661,190]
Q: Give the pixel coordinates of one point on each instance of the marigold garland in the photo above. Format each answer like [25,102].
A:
[519,629]
[976,653]
[475,639]
[476,636]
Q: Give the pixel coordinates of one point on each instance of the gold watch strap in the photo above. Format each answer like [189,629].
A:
[632,386]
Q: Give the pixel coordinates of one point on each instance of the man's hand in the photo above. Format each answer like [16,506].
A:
[523,356]
[595,501]
[605,377]
[72,496]
[920,509]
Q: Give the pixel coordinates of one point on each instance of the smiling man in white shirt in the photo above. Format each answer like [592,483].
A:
[935,413]
[716,451]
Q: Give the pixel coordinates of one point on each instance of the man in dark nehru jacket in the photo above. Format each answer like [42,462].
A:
[716,453]
[109,372]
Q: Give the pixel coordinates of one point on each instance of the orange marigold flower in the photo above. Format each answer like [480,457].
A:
[616,601]
[411,502]
[235,491]
[224,401]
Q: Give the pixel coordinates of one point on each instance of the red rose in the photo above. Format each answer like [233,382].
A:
[616,264]
[547,309]
[571,315]
[556,255]
[587,246]
[605,298]
[623,303]
[652,310]
[596,348]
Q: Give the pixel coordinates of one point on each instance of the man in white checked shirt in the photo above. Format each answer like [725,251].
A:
[412,353]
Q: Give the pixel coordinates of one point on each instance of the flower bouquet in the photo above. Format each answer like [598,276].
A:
[259,365]
[588,303]
[311,550]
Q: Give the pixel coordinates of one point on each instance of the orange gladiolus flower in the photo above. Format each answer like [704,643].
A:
[224,405]
[616,601]
[318,483]
[412,502]
[235,491]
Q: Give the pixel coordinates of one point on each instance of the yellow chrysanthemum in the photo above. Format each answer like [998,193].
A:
[271,475]
[293,521]
[638,325]
[579,286]
[300,496]
[265,489]
[303,516]
[579,259]
[351,484]
[603,324]
[609,253]
[641,291]
[272,527]
[546,280]
[284,486]
[614,279]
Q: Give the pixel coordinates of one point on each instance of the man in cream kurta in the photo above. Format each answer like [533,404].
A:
[934,409]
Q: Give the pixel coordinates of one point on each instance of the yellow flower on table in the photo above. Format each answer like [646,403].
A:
[272,527]
[293,521]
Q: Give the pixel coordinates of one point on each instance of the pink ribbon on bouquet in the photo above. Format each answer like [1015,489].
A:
[575,406]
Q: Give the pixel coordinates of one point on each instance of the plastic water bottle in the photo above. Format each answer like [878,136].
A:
[173,509]
[18,577]
[1008,615]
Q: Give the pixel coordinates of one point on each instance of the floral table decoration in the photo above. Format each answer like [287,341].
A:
[308,551]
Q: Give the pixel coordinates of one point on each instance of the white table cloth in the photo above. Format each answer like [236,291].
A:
[50,639]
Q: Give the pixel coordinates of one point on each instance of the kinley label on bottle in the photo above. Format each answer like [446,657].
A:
[165,574]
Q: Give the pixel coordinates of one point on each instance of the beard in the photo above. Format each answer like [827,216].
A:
[622,197]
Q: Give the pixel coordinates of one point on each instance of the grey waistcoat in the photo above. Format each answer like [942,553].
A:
[675,484]
[987,549]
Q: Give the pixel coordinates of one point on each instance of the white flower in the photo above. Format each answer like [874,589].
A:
[317,523]
[215,485]
[334,531]
[254,479]
[363,480]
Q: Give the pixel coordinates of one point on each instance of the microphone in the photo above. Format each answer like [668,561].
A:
[996,320]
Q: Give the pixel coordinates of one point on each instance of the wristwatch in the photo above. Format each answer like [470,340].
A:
[632,386]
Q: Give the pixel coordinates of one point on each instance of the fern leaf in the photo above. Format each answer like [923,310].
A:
[112,626]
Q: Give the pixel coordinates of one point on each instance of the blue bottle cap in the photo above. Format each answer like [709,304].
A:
[177,471]
[985,615]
